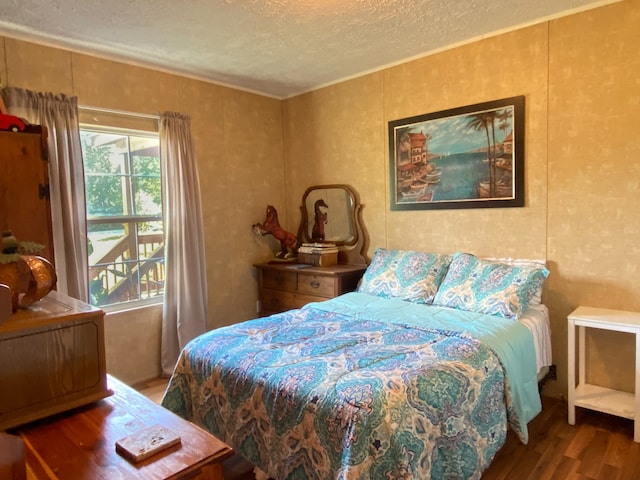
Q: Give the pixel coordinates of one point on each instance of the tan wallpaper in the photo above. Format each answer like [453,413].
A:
[336,135]
[239,147]
[465,76]
[99,82]
[254,178]
[3,64]
[580,76]
[594,178]
[37,67]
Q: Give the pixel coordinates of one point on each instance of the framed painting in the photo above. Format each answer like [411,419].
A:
[466,157]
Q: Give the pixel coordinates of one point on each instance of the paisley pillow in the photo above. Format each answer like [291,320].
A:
[407,275]
[528,262]
[489,287]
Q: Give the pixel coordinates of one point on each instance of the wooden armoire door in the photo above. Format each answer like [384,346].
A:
[24,189]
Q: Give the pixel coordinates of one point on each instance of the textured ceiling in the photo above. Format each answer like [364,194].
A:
[278,48]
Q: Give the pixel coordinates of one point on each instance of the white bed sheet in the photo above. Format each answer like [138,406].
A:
[536,318]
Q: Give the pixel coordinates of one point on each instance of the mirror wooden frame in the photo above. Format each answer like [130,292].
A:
[336,212]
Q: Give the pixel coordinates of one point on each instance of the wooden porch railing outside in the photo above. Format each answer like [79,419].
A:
[127,273]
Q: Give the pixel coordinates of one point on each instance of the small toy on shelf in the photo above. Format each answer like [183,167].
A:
[12,123]
[271,226]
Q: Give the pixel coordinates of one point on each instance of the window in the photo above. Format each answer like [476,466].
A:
[124,216]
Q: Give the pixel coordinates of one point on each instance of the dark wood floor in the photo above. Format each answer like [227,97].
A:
[598,447]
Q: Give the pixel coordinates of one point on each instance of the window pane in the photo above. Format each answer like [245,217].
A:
[126,262]
[150,239]
[104,167]
[103,239]
[145,169]
[148,195]
[126,257]
[108,252]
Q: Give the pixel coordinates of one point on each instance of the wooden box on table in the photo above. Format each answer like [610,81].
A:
[53,359]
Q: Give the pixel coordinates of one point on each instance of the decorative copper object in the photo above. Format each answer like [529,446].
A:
[30,278]
[42,280]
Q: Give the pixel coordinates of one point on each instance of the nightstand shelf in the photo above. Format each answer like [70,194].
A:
[593,397]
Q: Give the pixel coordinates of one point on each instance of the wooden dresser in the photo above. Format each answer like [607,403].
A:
[285,286]
[53,359]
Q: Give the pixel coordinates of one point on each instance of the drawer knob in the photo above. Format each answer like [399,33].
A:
[315,283]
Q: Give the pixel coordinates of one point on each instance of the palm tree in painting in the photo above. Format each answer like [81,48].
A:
[503,122]
[491,121]
[481,122]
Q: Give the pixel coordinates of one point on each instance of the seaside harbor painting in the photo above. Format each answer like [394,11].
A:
[466,157]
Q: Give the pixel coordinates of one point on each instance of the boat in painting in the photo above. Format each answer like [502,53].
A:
[502,190]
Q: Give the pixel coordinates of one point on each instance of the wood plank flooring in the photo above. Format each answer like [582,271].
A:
[598,447]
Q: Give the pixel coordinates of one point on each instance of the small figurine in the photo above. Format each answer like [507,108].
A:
[317,232]
[271,226]
[9,243]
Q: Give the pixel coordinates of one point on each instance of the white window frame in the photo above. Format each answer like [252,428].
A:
[124,219]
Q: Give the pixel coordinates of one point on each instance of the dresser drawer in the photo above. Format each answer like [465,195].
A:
[302,300]
[280,301]
[277,300]
[279,280]
[317,285]
[289,286]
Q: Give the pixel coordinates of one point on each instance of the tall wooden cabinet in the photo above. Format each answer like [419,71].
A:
[52,354]
[24,189]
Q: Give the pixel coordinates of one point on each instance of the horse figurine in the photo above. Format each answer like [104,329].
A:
[317,232]
[271,226]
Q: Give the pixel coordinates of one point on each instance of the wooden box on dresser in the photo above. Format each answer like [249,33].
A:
[286,286]
[52,359]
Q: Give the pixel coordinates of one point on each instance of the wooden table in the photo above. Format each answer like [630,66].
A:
[80,444]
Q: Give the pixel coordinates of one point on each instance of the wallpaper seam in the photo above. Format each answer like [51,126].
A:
[546,197]
[6,64]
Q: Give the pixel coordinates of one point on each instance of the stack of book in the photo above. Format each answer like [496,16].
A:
[320,254]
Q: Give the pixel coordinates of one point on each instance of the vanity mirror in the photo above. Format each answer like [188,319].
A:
[332,213]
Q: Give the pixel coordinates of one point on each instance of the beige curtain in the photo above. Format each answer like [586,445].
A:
[59,114]
[185,298]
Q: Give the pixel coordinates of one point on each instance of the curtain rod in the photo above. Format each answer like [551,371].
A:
[118,112]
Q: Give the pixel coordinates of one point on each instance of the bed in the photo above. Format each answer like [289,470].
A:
[418,374]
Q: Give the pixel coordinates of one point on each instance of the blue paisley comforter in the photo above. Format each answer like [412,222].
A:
[360,387]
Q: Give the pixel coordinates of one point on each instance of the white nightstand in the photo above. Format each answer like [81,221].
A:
[602,399]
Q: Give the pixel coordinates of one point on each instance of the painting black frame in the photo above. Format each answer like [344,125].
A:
[507,191]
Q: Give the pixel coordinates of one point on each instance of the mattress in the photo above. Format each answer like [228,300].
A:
[536,319]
